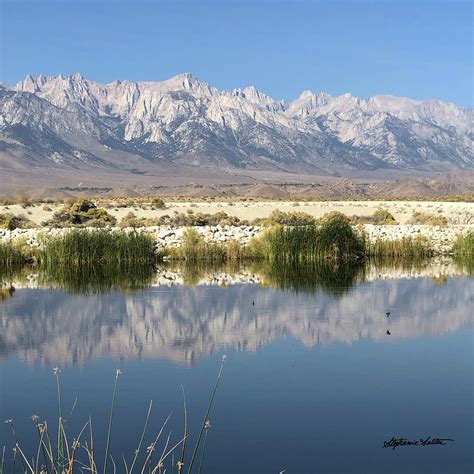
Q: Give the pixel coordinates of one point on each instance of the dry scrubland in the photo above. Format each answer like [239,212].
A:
[455,213]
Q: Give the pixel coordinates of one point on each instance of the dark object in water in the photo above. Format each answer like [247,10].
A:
[387,314]
[388,332]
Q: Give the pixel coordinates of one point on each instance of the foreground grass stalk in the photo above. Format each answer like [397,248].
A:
[15,438]
[206,416]
[137,451]
[185,433]
[201,461]
[117,375]
[57,372]
[151,448]
[2,464]
[74,456]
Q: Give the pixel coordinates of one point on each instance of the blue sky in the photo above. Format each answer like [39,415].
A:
[419,49]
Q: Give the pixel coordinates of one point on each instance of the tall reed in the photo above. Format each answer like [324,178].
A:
[14,254]
[334,240]
[91,247]
[463,250]
[406,248]
[194,248]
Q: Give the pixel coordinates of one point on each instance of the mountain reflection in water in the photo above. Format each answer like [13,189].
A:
[316,305]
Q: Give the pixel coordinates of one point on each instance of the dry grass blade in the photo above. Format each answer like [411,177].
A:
[150,451]
[185,431]
[117,375]
[137,451]
[206,417]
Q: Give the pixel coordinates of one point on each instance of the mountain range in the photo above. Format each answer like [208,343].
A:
[69,123]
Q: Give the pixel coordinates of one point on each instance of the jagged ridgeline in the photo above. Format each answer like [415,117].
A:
[71,122]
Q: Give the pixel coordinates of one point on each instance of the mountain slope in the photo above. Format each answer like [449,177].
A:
[69,121]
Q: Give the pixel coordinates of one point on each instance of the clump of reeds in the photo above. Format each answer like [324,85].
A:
[194,248]
[463,250]
[92,247]
[463,245]
[406,248]
[334,239]
[14,254]
[57,452]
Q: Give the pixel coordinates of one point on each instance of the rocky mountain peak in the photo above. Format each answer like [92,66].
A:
[185,119]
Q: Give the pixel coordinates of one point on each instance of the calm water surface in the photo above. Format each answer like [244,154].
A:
[312,383]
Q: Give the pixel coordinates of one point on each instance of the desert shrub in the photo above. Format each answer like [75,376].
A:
[199,219]
[287,218]
[11,221]
[131,220]
[426,218]
[24,202]
[47,208]
[380,216]
[157,203]
[81,213]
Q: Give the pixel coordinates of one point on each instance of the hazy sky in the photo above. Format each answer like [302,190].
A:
[420,49]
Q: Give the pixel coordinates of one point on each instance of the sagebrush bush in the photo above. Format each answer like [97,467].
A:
[379,217]
[426,218]
[287,218]
[199,219]
[82,213]
[157,203]
[11,221]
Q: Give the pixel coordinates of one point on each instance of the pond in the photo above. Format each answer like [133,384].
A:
[317,375]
